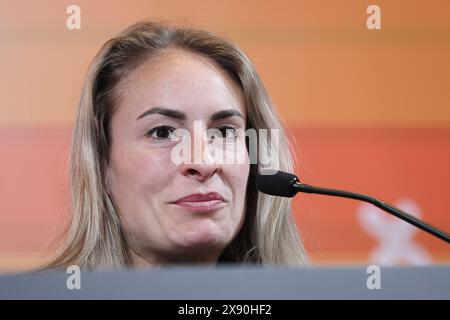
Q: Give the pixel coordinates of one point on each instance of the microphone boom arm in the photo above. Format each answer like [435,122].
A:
[300,187]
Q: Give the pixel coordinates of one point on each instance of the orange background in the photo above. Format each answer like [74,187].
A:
[370,109]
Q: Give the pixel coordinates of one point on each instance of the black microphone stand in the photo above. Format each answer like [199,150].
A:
[284,184]
[300,187]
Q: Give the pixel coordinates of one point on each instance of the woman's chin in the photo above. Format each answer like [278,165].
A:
[202,239]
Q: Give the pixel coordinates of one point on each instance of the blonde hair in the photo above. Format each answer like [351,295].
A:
[94,238]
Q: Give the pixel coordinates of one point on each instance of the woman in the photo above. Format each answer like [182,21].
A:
[132,204]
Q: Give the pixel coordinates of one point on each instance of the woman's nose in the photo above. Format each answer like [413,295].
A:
[203,164]
[202,172]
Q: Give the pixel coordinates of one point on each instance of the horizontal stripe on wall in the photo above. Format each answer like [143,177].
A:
[395,165]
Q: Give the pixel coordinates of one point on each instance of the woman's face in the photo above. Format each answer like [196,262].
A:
[172,91]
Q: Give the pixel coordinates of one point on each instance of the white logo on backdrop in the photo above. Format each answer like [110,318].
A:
[394,236]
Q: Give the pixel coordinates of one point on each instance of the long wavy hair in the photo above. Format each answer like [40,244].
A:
[94,238]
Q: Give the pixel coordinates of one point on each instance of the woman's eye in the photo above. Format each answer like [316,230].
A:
[227,132]
[161,132]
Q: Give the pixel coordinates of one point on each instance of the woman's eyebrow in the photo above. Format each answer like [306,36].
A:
[226,114]
[172,113]
[164,111]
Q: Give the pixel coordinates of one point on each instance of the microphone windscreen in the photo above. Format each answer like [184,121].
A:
[277,183]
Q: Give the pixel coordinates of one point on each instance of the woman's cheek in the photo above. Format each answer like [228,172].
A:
[154,169]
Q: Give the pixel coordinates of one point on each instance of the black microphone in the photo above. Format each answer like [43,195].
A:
[283,184]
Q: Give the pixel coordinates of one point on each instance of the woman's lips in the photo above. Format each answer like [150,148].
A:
[201,206]
[199,197]
[201,202]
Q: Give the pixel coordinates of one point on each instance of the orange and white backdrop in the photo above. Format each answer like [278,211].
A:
[369,108]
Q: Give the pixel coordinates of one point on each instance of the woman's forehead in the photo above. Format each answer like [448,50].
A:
[180,80]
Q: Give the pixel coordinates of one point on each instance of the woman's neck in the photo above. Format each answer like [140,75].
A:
[145,260]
